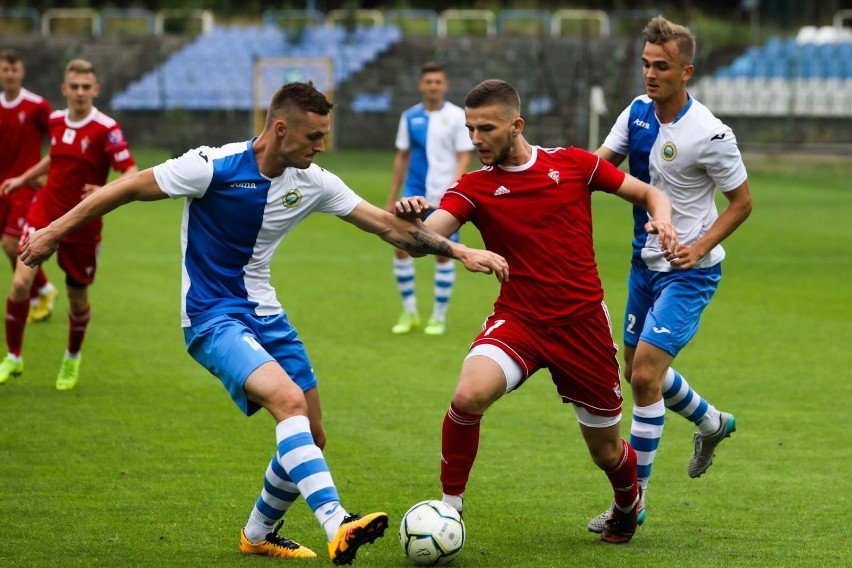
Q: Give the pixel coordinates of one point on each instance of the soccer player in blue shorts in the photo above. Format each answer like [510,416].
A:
[433,150]
[241,201]
[676,144]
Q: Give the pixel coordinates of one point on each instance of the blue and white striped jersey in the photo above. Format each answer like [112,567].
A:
[233,220]
[435,139]
[687,159]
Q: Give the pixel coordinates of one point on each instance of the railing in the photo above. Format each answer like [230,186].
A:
[355,17]
[477,18]
[561,16]
[23,15]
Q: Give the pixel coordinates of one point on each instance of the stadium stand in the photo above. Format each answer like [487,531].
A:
[809,75]
[215,72]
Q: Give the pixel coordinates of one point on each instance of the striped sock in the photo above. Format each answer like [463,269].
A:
[645,433]
[306,467]
[445,277]
[403,272]
[279,492]
[680,398]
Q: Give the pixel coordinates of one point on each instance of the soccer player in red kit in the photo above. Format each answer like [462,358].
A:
[532,205]
[84,144]
[23,129]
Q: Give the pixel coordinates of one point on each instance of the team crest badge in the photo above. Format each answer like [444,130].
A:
[669,151]
[22,117]
[617,390]
[84,143]
[292,198]
[554,175]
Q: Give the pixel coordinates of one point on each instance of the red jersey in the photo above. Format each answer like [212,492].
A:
[538,216]
[23,128]
[80,153]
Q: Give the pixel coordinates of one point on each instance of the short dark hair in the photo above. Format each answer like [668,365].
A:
[494,91]
[303,96]
[10,56]
[431,67]
[659,31]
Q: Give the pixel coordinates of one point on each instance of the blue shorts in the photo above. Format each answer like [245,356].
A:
[664,308]
[232,346]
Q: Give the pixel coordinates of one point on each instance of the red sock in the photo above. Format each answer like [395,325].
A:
[623,478]
[16,321]
[77,324]
[38,283]
[459,444]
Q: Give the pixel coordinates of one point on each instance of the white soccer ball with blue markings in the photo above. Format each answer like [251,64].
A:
[431,533]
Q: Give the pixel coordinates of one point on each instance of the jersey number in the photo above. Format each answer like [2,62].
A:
[631,322]
[494,326]
[252,342]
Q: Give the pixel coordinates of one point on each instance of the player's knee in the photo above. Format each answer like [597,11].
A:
[607,456]
[285,401]
[473,399]
[20,288]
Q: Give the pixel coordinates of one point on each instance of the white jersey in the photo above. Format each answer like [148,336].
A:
[234,219]
[687,159]
[435,139]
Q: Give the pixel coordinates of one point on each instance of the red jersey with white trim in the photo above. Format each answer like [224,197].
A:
[538,216]
[80,153]
[23,128]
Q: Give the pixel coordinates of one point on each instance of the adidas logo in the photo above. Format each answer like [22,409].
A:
[501,190]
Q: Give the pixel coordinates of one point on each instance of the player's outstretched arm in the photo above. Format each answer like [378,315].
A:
[140,186]
[412,236]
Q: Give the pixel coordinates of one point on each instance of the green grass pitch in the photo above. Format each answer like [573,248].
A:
[148,463]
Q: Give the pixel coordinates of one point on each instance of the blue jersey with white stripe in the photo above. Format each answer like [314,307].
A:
[435,139]
[233,220]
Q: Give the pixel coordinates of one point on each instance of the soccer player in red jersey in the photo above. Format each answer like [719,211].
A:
[532,205]
[23,129]
[84,144]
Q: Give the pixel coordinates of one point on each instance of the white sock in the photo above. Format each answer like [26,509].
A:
[454,501]
[330,516]
[256,529]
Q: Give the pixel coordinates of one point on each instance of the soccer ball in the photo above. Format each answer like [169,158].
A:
[431,532]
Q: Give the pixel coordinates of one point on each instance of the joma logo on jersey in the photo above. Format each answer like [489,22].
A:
[641,123]
[292,198]
[245,184]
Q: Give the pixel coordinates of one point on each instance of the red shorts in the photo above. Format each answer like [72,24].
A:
[79,261]
[581,356]
[13,211]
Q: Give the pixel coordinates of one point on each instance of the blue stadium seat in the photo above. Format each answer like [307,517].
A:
[216,70]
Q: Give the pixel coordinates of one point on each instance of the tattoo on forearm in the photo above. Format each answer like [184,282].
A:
[427,242]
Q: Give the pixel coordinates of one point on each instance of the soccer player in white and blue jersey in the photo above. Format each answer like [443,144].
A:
[675,143]
[241,201]
[433,150]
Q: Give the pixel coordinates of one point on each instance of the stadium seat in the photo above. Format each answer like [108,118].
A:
[216,71]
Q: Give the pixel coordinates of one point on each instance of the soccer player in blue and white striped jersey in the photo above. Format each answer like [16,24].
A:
[675,143]
[433,150]
[242,199]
